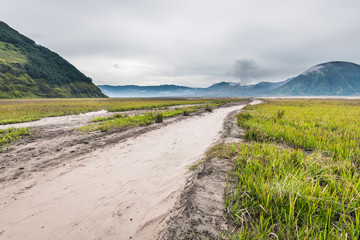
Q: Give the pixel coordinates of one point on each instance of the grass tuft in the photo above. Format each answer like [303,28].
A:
[159,118]
[208,108]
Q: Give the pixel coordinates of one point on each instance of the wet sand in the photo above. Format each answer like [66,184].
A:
[120,191]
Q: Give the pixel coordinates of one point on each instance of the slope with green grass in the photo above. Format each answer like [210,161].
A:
[28,70]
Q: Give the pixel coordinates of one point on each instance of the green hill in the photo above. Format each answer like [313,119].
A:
[28,70]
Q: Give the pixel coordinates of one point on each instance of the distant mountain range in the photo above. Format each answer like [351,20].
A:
[326,79]
[28,70]
[222,89]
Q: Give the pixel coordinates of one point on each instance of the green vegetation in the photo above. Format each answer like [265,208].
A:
[186,113]
[15,111]
[208,108]
[159,118]
[331,126]
[32,71]
[11,134]
[297,176]
[121,122]
[125,121]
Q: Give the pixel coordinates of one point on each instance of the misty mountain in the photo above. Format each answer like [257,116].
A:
[326,79]
[222,89]
[32,71]
[148,91]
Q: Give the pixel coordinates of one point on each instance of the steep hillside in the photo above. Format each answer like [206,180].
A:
[326,79]
[28,70]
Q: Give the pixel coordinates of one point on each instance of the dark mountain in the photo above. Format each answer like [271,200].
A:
[326,79]
[222,89]
[30,70]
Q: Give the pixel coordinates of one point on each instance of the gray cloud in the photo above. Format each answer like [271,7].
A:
[181,42]
[248,70]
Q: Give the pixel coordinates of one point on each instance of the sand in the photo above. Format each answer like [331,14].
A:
[121,190]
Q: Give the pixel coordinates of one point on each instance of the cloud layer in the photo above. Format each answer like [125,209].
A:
[190,42]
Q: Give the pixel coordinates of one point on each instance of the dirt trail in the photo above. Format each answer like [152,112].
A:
[122,191]
[55,141]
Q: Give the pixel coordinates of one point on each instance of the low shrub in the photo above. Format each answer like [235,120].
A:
[208,108]
[159,118]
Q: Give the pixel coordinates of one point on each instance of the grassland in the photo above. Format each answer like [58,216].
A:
[297,176]
[15,111]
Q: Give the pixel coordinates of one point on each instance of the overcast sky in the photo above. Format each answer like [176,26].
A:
[190,42]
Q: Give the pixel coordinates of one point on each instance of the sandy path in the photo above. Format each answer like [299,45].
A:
[120,192]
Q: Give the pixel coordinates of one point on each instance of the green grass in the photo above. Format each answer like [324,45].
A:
[124,121]
[332,126]
[15,111]
[297,176]
[290,194]
[120,122]
[10,135]
[10,54]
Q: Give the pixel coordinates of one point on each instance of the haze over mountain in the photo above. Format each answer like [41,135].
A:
[30,70]
[326,79]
